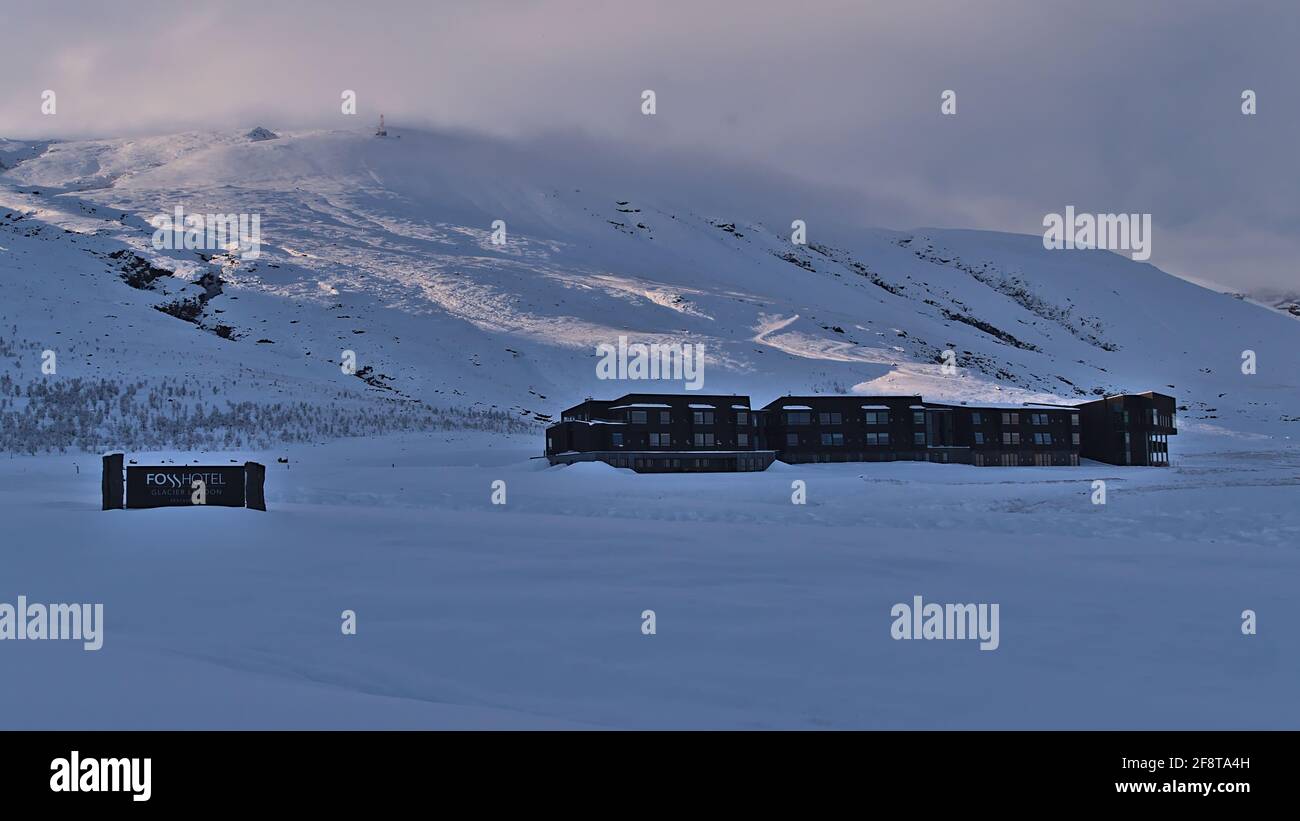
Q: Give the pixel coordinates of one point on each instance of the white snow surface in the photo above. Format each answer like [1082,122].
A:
[769,615]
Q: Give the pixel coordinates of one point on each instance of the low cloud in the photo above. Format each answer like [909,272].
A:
[1108,106]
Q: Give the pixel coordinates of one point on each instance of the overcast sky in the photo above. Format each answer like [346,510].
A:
[1125,106]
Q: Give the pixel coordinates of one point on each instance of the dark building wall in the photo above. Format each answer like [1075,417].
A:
[678,432]
[1021,435]
[643,421]
[889,428]
[1129,429]
[661,432]
[843,428]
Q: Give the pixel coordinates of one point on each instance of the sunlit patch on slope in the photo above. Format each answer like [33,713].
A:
[635,290]
[772,331]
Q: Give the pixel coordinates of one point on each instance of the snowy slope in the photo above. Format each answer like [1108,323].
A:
[382,246]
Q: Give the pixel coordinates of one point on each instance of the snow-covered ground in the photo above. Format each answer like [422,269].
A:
[768,614]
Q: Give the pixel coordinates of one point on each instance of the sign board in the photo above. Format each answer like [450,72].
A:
[150,486]
[169,486]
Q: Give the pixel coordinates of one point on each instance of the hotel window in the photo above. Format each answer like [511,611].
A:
[876,417]
[976,418]
[1074,420]
[702,417]
[1011,419]
[665,417]
[1074,438]
[918,438]
[832,418]
[659,440]
[798,418]
[704,440]
[616,439]
[742,418]
[918,417]
[1042,438]
[636,417]
[979,437]
[832,438]
[742,440]
[1010,438]
[550,444]
[792,440]
[877,438]
[1038,419]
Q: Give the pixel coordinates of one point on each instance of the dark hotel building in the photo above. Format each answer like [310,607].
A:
[906,428]
[1129,429]
[684,433]
[653,433]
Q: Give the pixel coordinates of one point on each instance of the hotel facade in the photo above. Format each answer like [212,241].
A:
[658,433]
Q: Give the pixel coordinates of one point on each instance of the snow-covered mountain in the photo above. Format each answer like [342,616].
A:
[384,247]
